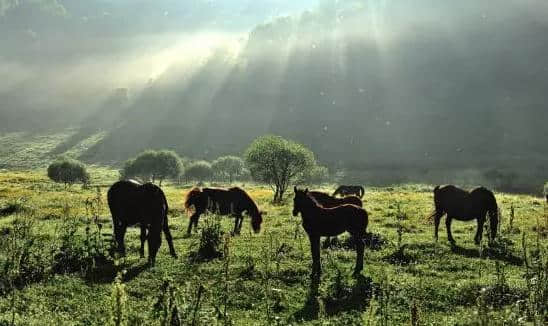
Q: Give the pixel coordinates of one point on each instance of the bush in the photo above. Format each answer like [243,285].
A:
[228,167]
[278,162]
[23,259]
[68,171]
[153,165]
[199,171]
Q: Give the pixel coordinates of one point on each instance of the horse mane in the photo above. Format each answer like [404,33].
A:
[247,198]
[314,200]
[193,193]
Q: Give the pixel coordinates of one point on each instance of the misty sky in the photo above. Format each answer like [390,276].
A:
[57,53]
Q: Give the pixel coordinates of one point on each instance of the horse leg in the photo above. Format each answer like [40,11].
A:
[169,239]
[448,226]
[360,245]
[437,219]
[154,242]
[479,231]
[143,239]
[119,233]
[241,219]
[193,221]
[315,249]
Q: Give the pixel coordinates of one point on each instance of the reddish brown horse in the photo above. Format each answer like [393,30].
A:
[233,201]
[462,205]
[133,203]
[319,221]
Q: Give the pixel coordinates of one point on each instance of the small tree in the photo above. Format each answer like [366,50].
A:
[68,171]
[278,162]
[228,167]
[317,175]
[153,165]
[199,171]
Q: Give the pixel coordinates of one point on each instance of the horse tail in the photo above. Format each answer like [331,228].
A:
[191,197]
[438,210]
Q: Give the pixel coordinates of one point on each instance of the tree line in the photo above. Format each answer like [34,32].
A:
[269,159]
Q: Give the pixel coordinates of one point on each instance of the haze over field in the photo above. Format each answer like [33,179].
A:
[410,84]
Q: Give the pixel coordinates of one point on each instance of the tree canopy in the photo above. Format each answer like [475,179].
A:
[278,162]
[153,165]
[68,171]
[228,167]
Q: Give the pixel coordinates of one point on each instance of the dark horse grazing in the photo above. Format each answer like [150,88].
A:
[319,221]
[233,201]
[349,190]
[462,205]
[133,203]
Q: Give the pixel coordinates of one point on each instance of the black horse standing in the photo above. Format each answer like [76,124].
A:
[462,205]
[133,203]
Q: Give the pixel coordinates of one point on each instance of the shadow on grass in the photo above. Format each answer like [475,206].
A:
[497,253]
[106,273]
[373,241]
[355,298]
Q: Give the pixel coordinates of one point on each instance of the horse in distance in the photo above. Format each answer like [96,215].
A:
[462,205]
[133,203]
[349,190]
[233,201]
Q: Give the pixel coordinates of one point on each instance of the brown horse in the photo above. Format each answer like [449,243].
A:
[319,221]
[349,190]
[462,205]
[329,201]
[133,203]
[233,201]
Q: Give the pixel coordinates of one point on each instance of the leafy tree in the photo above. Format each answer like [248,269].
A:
[199,170]
[228,167]
[68,171]
[317,175]
[153,165]
[278,162]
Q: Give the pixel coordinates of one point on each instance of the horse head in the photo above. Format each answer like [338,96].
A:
[300,196]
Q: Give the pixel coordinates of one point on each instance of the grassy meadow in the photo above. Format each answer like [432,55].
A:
[56,269]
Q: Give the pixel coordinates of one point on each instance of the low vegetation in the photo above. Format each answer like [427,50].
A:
[57,267]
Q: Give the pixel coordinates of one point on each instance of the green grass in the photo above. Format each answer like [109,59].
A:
[264,279]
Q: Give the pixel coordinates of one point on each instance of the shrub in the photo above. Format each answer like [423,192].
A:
[153,165]
[22,256]
[228,167]
[68,171]
[278,162]
[199,171]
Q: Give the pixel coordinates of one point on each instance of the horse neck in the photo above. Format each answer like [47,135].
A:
[309,208]
[252,208]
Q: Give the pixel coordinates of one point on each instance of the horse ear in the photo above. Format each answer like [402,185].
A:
[306,190]
[295,188]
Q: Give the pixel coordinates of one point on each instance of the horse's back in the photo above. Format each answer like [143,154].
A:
[130,202]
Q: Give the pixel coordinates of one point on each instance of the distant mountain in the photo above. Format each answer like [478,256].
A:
[362,85]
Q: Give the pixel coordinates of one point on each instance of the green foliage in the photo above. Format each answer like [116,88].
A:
[118,303]
[278,162]
[77,253]
[22,256]
[317,175]
[68,171]
[228,167]
[199,171]
[153,165]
